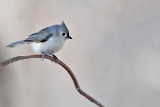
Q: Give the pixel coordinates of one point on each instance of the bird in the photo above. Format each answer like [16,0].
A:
[47,41]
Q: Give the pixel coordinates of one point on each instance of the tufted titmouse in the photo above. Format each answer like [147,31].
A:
[47,41]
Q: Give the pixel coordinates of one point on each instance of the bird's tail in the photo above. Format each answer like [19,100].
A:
[14,44]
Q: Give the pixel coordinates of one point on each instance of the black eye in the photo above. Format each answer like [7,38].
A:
[63,34]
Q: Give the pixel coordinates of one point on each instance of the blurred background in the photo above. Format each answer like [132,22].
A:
[114,53]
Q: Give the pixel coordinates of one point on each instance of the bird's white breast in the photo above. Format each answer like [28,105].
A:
[51,46]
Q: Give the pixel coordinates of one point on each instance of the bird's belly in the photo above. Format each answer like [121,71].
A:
[49,47]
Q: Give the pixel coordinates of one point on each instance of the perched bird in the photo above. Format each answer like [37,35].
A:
[47,41]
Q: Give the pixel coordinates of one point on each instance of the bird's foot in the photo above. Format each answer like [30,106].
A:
[43,55]
[54,56]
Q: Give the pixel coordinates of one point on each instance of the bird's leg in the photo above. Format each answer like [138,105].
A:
[43,55]
[54,56]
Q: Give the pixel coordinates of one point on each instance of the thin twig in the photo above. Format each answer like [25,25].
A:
[9,61]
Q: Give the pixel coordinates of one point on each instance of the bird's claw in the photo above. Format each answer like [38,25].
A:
[55,58]
[43,55]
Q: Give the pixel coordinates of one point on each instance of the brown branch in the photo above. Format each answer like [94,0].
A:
[9,61]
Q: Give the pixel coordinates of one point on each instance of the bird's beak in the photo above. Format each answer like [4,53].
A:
[68,37]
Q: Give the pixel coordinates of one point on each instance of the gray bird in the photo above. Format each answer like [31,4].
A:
[47,41]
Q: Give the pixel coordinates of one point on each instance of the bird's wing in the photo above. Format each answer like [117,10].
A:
[41,36]
[46,38]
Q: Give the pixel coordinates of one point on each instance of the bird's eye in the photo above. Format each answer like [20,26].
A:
[63,34]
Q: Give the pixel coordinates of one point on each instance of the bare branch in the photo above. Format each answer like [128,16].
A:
[9,61]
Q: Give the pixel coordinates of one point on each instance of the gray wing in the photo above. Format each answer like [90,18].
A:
[46,38]
[41,36]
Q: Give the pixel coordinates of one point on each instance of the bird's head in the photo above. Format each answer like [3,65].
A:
[63,31]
